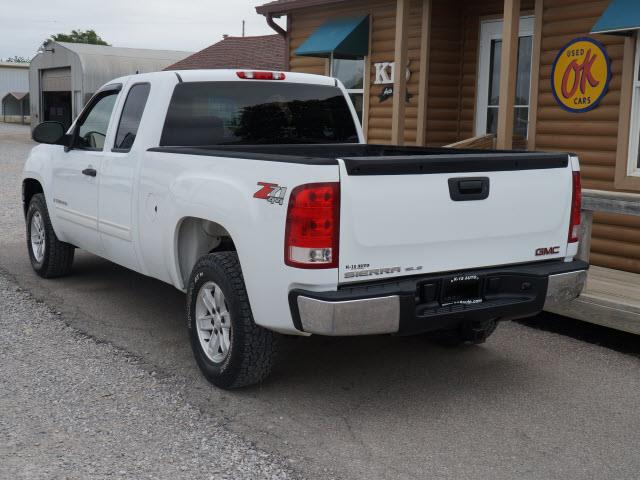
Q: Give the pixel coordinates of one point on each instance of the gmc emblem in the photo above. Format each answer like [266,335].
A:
[541,252]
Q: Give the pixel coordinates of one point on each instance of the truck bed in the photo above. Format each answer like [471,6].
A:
[414,210]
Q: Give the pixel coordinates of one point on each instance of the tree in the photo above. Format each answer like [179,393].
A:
[17,59]
[79,36]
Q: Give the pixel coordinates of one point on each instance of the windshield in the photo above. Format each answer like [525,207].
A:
[257,112]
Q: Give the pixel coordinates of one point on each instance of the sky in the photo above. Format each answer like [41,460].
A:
[188,25]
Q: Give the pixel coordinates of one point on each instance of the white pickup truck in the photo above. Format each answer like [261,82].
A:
[254,193]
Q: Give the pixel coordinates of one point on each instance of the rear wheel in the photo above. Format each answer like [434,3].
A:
[49,256]
[472,332]
[230,349]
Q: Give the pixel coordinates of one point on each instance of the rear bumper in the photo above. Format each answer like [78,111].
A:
[414,305]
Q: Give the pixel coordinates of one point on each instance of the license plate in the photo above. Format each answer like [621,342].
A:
[461,290]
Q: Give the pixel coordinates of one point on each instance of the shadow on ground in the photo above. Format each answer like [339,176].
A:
[587,332]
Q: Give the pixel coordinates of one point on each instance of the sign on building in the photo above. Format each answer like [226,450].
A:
[581,74]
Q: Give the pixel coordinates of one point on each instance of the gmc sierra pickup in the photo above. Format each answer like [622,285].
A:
[254,193]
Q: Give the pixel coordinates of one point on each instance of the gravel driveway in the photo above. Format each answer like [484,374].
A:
[14,147]
[74,408]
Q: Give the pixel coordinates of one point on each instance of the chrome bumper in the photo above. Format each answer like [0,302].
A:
[371,316]
[565,287]
[394,311]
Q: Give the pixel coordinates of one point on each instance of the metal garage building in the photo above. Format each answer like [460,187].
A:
[14,88]
[63,76]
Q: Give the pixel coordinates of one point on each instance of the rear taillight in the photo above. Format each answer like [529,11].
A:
[253,75]
[313,222]
[576,201]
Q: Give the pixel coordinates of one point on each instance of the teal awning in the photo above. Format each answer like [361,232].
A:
[620,16]
[346,37]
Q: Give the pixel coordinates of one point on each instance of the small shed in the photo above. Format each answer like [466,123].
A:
[64,76]
[15,107]
[14,79]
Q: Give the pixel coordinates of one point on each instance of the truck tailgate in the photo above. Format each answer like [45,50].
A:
[414,215]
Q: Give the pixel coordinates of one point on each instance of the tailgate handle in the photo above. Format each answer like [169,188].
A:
[468,189]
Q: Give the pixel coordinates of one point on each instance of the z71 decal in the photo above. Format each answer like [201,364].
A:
[271,192]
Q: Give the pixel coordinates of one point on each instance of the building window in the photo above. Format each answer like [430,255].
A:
[523,84]
[634,137]
[488,100]
[351,74]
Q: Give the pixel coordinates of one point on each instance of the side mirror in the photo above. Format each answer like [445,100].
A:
[49,132]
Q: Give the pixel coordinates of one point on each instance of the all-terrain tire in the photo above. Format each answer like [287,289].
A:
[56,259]
[252,349]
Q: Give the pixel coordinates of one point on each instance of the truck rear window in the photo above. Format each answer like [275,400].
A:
[256,112]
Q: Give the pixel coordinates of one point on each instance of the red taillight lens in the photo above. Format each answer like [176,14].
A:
[576,205]
[252,75]
[313,226]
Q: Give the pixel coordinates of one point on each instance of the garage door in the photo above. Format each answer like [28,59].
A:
[56,80]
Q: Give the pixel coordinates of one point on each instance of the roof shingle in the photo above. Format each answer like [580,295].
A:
[265,52]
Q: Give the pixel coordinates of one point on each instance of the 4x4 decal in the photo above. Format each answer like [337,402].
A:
[271,192]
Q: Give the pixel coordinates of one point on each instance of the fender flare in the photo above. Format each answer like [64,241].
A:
[191,197]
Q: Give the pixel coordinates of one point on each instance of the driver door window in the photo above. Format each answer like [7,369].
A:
[92,129]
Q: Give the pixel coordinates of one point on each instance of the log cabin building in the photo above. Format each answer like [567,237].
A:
[559,75]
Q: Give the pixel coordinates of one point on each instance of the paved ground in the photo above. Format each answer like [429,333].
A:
[531,403]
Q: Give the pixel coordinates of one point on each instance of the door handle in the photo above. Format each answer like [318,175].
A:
[90,172]
[468,189]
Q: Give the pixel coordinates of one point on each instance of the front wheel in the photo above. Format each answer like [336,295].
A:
[49,256]
[230,349]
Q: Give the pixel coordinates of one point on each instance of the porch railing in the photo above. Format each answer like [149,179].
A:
[482,142]
[605,202]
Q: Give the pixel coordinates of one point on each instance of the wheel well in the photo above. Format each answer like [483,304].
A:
[30,187]
[197,237]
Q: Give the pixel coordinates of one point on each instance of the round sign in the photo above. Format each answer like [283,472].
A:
[580,75]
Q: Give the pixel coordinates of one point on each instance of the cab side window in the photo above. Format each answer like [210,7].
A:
[131,115]
[92,129]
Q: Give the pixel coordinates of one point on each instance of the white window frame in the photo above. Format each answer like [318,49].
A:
[633,169]
[492,30]
[357,91]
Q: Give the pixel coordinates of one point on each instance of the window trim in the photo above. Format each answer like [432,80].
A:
[124,104]
[632,166]
[623,180]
